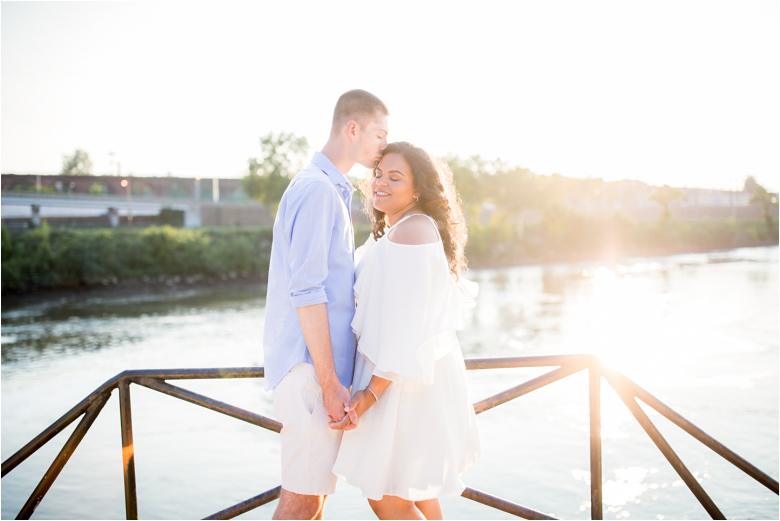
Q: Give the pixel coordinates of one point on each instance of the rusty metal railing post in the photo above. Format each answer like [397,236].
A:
[526,387]
[502,504]
[596,505]
[675,417]
[249,504]
[58,426]
[128,449]
[62,458]
[210,403]
[666,449]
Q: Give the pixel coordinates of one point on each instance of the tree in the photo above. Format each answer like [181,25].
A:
[665,195]
[516,190]
[766,201]
[475,177]
[283,156]
[468,174]
[751,185]
[77,164]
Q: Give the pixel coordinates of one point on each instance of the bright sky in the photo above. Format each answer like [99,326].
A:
[683,92]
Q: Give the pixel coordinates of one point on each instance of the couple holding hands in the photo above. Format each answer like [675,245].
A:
[368,378]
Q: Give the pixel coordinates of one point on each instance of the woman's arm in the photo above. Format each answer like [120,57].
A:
[365,398]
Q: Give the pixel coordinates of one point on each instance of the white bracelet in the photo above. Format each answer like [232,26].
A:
[368,388]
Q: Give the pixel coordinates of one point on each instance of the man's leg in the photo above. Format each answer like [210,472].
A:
[299,506]
[309,446]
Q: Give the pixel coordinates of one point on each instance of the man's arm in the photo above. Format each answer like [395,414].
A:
[311,213]
[316,334]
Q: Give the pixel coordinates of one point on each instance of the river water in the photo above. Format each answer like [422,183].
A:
[698,331]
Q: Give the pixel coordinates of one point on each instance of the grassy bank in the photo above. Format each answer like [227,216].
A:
[48,258]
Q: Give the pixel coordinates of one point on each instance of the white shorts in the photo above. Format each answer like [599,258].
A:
[309,446]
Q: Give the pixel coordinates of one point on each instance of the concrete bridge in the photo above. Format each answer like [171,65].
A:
[37,206]
[213,189]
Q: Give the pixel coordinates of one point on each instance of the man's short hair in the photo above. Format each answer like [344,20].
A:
[359,105]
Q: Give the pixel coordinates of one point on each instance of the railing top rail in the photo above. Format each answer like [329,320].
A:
[258,372]
[195,373]
[531,361]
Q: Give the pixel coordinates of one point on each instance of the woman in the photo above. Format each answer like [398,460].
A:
[417,431]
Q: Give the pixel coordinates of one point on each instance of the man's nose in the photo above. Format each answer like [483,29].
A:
[383,145]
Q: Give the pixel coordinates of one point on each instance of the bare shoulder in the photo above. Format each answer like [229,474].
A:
[417,229]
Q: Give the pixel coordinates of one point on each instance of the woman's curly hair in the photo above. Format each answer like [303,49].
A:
[437,198]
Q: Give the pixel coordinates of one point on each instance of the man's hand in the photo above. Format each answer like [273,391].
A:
[347,423]
[335,397]
[358,405]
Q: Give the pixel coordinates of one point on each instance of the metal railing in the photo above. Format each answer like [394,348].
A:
[629,392]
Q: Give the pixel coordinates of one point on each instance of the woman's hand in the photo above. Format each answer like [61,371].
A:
[359,404]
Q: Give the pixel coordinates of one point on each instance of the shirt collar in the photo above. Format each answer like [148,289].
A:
[335,175]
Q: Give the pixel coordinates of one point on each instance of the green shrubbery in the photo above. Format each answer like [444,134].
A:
[62,257]
[65,257]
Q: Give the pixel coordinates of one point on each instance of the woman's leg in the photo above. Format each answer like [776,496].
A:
[430,508]
[393,507]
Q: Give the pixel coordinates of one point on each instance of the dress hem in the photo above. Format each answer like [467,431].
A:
[438,496]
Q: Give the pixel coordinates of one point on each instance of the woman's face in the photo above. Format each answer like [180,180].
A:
[392,187]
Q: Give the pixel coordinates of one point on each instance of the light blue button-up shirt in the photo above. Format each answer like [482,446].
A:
[312,261]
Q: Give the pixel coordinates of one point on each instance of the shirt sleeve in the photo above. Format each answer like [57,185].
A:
[311,216]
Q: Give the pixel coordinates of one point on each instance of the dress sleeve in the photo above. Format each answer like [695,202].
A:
[409,308]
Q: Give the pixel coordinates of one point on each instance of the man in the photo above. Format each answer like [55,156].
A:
[308,341]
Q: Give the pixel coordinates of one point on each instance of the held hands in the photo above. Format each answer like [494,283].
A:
[354,409]
[335,397]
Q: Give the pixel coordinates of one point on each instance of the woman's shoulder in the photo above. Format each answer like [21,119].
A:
[414,230]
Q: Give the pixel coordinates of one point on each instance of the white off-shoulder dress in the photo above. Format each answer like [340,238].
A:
[421,436]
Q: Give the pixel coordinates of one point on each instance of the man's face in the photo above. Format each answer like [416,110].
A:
[371,141]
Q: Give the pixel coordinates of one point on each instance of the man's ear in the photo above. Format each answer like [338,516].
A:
[352,129]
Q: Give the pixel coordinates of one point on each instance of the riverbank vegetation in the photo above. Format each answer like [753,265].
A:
[65,258]
[47,258]
[569,236]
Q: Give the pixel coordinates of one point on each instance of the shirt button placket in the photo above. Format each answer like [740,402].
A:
[347,196]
